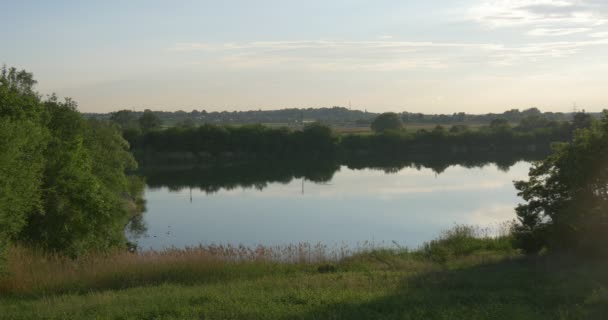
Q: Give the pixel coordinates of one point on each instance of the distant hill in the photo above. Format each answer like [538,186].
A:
[336,116]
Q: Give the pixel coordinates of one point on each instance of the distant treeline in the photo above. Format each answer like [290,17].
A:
[251,142]
[336,116]
[258,174]
[512,116]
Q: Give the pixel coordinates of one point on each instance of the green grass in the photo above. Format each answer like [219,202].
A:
[409,127]
[458,276]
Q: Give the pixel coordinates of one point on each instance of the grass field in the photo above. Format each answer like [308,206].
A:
[458,276]
[411,127]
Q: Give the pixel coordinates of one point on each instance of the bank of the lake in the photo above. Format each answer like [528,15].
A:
[455,277]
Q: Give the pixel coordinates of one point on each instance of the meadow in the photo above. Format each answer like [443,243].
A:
[464,274]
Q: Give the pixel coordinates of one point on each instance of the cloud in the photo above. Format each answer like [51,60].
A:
[603,34]
[556,31]
[379,55]
[544,17]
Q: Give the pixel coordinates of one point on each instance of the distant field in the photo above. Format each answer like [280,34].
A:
[413,127]
[353,130]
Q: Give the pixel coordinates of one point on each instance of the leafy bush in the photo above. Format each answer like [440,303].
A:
[567,196]
[62,178]
[387,121]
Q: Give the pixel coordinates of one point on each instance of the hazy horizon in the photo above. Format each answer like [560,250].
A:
[142,109]
[474,56]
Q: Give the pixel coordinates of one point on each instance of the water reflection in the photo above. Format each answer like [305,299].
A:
[327,201]
[259,174]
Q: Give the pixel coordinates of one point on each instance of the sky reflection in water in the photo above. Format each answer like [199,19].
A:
[410,206]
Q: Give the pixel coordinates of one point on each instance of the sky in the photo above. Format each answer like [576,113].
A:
[429,56]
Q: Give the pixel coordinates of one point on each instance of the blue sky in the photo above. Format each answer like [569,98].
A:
[421,56]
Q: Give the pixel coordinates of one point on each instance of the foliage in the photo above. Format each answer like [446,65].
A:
[62,178]
[84,185]
[126,119]
[374,284]
[149,121]
[336,116]
[387,121]
[253,142]
[463,240]
[500,124]
[21,174]
[22,141]
[121,269]
[567,196]
[582,120]
[244,141]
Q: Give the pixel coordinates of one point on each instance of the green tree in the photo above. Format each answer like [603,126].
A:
[125,119]
[500,124]
[567,196]
[581,120]
[318,138]
[81,190]
[459,128]
[149,121]
[387,121]
[23,138]
[187,123]
[62,178]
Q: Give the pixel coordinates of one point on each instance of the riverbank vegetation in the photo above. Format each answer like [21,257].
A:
[462,274]
[567,196]
[207,143]
[63,186]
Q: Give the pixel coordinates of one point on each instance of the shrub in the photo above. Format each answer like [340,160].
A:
[566,196]
[463,240]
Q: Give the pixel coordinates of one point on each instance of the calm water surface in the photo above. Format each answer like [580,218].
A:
[409,206]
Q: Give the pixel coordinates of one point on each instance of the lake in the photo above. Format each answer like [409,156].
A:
[339,206]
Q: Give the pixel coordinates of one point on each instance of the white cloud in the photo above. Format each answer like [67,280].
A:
[599,35]
[543,18]
[556,31]
[380,55]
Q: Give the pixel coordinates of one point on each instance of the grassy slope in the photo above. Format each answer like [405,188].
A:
[473,280]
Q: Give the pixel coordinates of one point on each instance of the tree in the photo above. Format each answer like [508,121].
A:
[581,120]
[23,139]
[499,124]
[149,120]
[567,196]
[387,121]
[459,128]
[126,119]
[63,185]
[533,122]
[317,138]
[187,123]
[85,190]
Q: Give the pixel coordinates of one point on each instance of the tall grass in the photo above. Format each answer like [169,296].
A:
[32,272]
[463,240]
